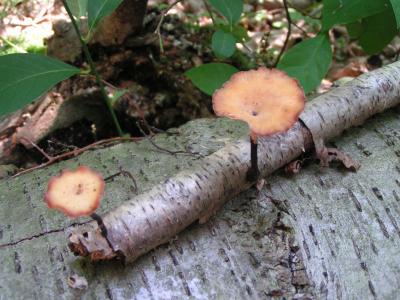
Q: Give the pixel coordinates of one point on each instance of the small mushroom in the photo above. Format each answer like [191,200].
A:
[76,194]
[268,100]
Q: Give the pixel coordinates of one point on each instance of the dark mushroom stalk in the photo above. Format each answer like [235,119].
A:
[268,100]
[253,173]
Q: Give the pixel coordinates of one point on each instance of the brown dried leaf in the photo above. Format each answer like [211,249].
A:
[328,155]
[293,167]
[77,282]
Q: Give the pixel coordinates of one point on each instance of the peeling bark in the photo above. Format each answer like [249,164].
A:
[351,104]
[156,216]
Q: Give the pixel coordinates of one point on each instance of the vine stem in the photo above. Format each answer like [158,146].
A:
[93,69]
[289,32]
[158,28]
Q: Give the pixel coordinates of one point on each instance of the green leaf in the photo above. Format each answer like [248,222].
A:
[24,77]
[396,10]
[230,9]
[97,10]
[378,31]
[308,61]
[117,94]
[297,16]
[348,11]
[210,77]
[78,8]
[223,44]
[354,29]
[237,30]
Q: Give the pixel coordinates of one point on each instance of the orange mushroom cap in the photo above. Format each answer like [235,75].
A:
[268,100]
[75,193]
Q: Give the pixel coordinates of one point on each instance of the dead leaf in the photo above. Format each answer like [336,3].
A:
[77,282]
[338,155]
[260,184]
[353,69]
[293,167]
[328,155]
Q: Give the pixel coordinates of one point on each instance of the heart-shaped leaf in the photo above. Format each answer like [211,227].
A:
[210,77]
[223,44]
[378,31]
[348,11]
[230,9]
[308,61]
[24,77]
[237,30]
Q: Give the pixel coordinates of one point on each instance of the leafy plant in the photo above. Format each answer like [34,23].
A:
[24,77]
[209,77]
[308,61]
[27,76]
[373,23]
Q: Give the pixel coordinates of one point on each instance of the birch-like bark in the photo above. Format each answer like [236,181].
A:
[156,216]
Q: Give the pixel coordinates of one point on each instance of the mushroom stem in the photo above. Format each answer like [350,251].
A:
[253,173]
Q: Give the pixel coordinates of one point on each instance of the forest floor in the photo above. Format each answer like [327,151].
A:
[161,97]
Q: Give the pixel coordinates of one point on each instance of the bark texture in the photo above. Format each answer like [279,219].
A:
[252,254]
[345,226]
[155,217]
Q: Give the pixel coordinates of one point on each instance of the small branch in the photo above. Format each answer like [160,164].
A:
[149,138]
[48,157]
[208,8]
[289,32]
[158,28]
[126,174]
[305,33]
[93,69]
[11,44]
[75,152]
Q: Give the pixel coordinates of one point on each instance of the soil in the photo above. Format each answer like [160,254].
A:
[160,92]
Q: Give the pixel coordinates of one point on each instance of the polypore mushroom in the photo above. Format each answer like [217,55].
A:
[76,194]
[268,100]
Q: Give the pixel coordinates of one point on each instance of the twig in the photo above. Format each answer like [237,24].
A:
[149,138]
[93,69]
[158,28]
[11,44]
[305,33]
[289,32]
[208,8]
[126,174]
[48,157]
[75,152]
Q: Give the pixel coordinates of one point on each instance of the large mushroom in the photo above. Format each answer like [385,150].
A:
[268,100]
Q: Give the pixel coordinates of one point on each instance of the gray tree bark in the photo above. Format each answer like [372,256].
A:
[154,217]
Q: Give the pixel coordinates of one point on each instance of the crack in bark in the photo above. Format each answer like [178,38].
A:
[39,235]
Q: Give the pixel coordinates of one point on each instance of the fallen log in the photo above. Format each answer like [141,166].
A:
[156,216]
